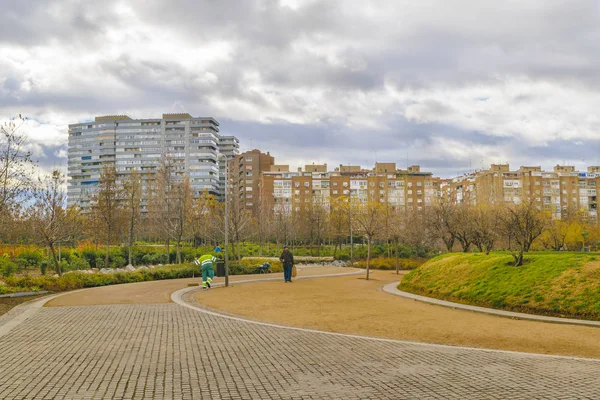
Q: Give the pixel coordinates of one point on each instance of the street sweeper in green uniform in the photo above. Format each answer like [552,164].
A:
[207,262]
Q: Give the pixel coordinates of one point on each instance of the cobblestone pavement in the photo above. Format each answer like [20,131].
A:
[166,351]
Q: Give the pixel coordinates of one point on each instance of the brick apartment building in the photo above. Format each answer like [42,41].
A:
[555,191]
[286,191]
[257,180]
[245,171]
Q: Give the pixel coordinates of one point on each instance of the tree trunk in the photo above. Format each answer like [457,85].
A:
[368,256]
[397,261]
[179,252]
[107,257]
[168,251]
[518,258]
[56,263]
[131,225]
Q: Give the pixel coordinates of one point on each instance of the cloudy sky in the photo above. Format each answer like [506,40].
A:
[451,85]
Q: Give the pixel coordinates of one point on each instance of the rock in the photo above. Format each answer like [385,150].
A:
[142,267]
[55,275]
[106,271]
[151,267]
[2,283]
[130,268]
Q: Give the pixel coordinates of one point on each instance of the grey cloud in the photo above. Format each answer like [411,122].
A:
[31,22]
[349,55]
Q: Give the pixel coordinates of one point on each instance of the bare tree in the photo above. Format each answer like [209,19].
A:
[416,231]
[107,204]
[339,221]
[132,191]
[461,225]
[240,219]
[16,170]
[206,218]
[51,221]
[485,221]
[179,224]
[522,224]
[396,228]
[368,218]
[264,220]
[441,223]
[284,227]
[315,222]
[160,201]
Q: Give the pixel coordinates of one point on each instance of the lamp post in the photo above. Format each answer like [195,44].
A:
[351,235]
[226,220]
[350,216]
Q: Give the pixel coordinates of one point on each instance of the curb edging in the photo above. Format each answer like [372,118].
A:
[392,288]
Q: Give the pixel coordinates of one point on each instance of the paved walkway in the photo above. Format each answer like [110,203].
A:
[392,288]
[156,351]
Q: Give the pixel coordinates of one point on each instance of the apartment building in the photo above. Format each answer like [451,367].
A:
[555,191]
[194,146]
[244,176]
[410,189]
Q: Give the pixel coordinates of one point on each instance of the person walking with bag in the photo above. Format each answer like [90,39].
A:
[287,259]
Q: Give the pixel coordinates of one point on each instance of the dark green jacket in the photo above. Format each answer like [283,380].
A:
[287,258]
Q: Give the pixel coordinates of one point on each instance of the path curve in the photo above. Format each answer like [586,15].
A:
[183,298]
[392,288]
[156,351]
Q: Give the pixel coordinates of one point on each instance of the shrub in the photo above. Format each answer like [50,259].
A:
[78,263]
[154,258]
[29,259]
[389,263]
[44,266]
[91,255]
[117,262]
[252,265]
[7,267]
[76,280]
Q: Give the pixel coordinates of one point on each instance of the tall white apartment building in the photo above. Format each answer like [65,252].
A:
[194,145]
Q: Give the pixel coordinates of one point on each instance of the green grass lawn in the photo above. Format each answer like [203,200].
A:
[559,284]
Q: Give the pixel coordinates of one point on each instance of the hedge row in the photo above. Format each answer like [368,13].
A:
[390,263]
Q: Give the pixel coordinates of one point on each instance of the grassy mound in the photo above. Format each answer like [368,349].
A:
[558,284]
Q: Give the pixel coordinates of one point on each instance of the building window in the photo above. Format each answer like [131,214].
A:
[419,183]
[334,183]
[335,192]
[248,159]
[306,184]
